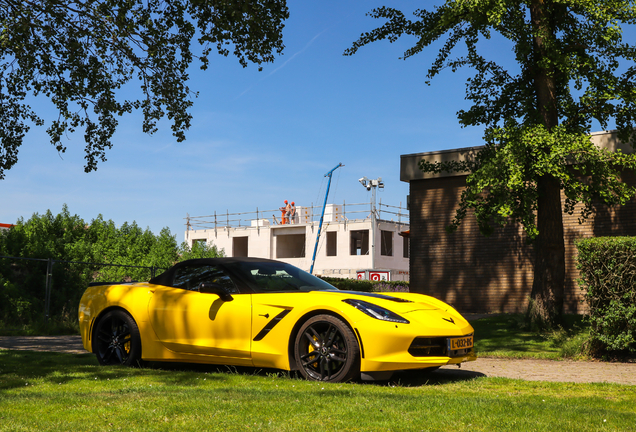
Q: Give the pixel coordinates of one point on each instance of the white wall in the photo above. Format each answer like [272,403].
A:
[262,243]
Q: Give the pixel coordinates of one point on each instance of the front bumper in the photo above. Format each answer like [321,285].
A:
[393,347]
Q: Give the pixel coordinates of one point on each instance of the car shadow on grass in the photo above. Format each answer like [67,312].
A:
[61,368]
[215,369]
[413,378]
[419,378]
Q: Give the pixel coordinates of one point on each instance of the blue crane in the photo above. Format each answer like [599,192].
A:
[322,216]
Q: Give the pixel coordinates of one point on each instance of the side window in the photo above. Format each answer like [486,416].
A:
[189,278]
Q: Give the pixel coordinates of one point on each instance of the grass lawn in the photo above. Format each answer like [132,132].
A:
[63,392]
[507,336]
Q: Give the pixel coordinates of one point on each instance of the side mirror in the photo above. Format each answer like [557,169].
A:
[214,288]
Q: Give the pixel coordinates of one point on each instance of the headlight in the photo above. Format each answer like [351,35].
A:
[376,312]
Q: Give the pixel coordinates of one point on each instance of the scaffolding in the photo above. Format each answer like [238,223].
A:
[304,215]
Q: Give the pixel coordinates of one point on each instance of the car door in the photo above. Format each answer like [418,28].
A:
[188,321]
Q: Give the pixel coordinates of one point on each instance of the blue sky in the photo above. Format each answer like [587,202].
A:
[258,138]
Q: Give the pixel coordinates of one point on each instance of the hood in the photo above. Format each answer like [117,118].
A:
[398,302]
[426,310]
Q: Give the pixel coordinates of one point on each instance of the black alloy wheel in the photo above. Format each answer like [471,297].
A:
[327,350]
[116,340]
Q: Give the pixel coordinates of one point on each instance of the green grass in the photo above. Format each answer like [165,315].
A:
[62,392]
[508,336]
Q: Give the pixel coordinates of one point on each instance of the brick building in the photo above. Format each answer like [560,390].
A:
[489,274]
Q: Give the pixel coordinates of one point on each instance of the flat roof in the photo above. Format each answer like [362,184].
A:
[410,170]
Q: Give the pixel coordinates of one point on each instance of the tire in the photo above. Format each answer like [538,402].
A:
[327,350]
[116,340]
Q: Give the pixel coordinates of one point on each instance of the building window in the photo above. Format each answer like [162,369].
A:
[360,242]
[239,247]
[386,243]
[332,243]
[290,246]
[406,247]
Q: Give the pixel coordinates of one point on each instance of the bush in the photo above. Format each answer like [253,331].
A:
[16,306]
[400,286]
[608,274]
[367,285]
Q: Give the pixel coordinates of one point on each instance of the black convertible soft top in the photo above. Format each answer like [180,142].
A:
[166,277]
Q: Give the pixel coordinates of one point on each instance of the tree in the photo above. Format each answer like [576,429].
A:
[199,250]
[83,253]
[81,53]
[573,68]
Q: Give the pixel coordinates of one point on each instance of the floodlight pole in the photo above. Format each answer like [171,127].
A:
[372,185]
[374,223]
[322,216]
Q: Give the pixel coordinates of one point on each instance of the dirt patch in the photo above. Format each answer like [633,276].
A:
[62,344]
[531,370]
[547,370]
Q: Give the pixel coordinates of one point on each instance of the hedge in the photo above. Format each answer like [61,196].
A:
[367,285]
[607,267]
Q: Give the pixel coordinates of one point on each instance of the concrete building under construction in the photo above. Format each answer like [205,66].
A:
[356,241]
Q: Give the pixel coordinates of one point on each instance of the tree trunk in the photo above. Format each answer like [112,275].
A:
[546,307]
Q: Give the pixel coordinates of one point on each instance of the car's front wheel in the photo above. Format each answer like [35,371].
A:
[327,350]
[116,339]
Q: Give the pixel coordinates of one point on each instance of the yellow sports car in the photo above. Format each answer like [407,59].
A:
[264,313]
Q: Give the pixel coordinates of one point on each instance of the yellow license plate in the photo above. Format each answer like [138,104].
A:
[461,343]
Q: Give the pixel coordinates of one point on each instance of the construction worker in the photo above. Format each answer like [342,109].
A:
[283,210]
[287,212]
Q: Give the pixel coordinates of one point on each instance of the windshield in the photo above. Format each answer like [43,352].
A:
[277,277]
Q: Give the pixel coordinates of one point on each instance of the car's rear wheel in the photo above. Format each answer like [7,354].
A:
[327,350]
[116,340]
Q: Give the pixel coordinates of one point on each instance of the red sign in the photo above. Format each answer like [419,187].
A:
[379,275]
[374,275]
